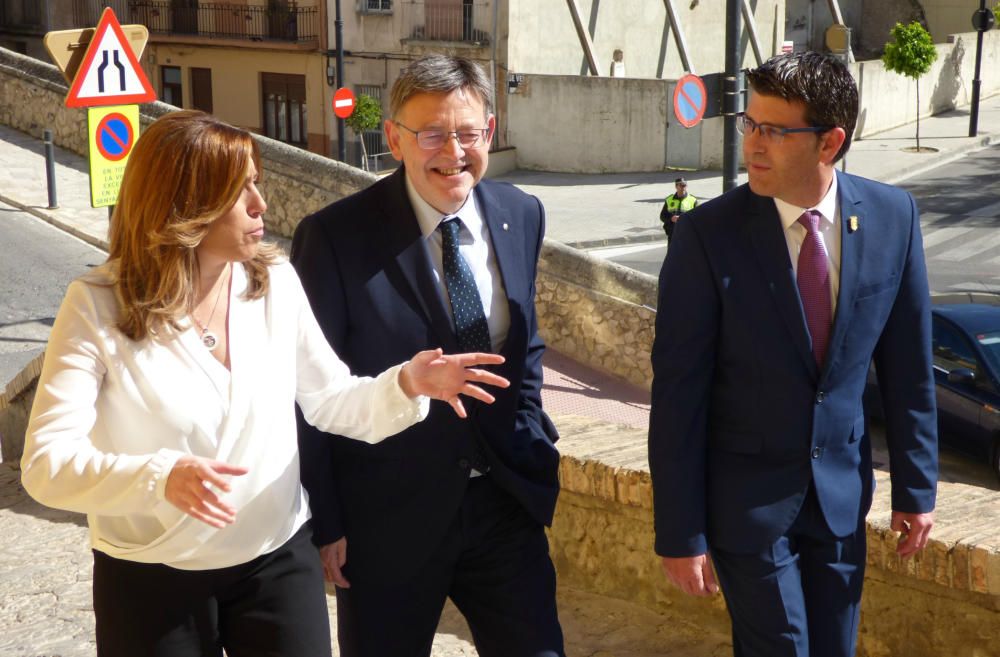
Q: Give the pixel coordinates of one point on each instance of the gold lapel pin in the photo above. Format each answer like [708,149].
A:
[853,224]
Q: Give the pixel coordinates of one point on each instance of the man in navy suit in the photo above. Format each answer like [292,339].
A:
[774,300]
[434,256]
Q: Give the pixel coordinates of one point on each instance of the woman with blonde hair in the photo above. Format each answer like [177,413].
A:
[165,410]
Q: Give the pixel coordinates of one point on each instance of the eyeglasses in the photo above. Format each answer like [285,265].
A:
[772,133]
[431,140]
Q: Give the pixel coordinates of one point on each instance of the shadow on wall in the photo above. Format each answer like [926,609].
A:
[949,82]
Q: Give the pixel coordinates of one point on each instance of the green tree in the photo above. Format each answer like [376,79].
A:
[911,53]
[996,12]
[367,115]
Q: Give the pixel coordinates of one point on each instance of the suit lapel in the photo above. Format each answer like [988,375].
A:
[768,238]
[510,259]
[851,244]
[407,250]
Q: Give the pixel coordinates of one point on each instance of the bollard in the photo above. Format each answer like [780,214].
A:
[50,168]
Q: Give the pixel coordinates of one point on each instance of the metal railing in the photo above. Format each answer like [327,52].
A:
[275,22]
[468,21]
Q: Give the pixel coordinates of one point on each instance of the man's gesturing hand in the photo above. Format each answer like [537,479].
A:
[693,575]
[188,488]
[914,528]
[443,377]
[334,556]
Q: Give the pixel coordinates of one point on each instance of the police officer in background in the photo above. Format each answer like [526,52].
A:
[676,205]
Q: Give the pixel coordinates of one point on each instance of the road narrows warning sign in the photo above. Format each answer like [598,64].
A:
[110,73]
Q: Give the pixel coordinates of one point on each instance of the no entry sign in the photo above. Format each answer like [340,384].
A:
[690,100]
[343,102]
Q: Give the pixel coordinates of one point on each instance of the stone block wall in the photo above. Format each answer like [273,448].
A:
[597,312]
[945,601]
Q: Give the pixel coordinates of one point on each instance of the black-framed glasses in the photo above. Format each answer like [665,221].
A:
[772,133]
[431,140]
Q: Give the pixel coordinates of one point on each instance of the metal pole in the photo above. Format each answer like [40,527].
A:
[338,28]
[675,25]
[585,40]
[50,168]
[976,82]
[731,146]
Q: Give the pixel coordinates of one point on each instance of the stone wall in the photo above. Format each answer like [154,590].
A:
[945,601]
[597,312]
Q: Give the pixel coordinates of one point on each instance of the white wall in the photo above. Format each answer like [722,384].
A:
[889,99]
[544,40]
[585,124]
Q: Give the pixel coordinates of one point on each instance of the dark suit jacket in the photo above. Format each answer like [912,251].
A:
[742,418]
[367,273]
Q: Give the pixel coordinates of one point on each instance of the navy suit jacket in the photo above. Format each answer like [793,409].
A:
[368,275]
[742,418]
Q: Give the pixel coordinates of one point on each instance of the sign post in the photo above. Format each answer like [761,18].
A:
[106,81]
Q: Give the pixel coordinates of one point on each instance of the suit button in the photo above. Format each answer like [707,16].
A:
[820,396]
[817,452]
[464,464]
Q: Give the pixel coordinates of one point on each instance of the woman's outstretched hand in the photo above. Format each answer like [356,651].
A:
[437,376]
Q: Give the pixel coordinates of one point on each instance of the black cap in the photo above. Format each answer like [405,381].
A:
[680,181]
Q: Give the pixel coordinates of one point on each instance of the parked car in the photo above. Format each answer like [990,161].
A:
[966,347]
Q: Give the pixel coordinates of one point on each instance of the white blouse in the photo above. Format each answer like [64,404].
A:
[111,417]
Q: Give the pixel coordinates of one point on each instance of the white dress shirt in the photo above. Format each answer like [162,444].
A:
[474,245]
[112,416]
[829,227]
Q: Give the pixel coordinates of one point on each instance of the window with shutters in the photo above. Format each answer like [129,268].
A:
[284,98]
[172,92]
[201,89]
[375,6]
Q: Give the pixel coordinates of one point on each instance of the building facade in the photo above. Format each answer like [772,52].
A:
[514,38]
[258,64]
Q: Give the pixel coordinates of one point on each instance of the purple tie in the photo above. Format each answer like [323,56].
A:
[814,284]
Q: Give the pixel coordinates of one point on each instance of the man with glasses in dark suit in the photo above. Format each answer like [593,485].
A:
[774,299]
[435,256]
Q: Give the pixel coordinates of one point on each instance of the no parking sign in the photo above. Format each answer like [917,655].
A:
[113,131]
[690,100]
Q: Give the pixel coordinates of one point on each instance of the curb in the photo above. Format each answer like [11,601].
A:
[942,158]
[616,241]
[61,225]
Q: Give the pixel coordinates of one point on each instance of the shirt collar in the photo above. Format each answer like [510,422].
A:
[428,218]
[827,207]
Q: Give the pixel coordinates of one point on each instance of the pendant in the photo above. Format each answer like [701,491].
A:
[209,339]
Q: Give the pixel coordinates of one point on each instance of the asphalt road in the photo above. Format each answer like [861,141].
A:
[37,263]
[960,212]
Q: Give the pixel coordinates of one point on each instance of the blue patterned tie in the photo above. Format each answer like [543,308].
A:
[471,329]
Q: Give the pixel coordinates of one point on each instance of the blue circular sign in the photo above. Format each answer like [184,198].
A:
[114,136]
[690,100]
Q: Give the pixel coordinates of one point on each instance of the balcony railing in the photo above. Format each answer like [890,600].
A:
[276,22]
[468,21]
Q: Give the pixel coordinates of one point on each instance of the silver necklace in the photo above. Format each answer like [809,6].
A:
[208,338]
